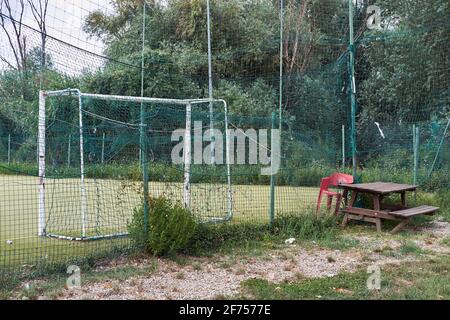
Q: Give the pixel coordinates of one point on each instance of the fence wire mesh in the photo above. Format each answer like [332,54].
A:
[401,96]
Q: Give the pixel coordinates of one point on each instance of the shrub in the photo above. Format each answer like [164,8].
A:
[170,227]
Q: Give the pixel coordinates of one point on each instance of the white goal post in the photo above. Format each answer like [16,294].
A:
[76,93]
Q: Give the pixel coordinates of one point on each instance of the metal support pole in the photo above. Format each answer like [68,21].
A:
[41,164]
[103,148]
[280,114]
[82,184]
[187,157]
[9,149]
[280,106]
[416,152]
[142,140]
[272,180]
[210,84]
[343,147]
[416,156]
[68,151]
[353,87]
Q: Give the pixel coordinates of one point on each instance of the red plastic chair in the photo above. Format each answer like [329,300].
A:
[332,181]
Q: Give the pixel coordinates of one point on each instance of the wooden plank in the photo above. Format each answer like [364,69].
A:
[376,202]
[353,198]
[392,207]
[369,213]
[345,196]
[414,211]
[362,218]
[400,226]
[345,220]
[379,187]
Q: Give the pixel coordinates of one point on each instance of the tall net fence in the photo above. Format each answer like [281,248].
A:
[402,94]
[401,119]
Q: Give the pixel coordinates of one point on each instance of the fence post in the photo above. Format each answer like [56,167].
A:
[103,148]
[84,219]
[41,164]
[416,156]
[142,133]
[352,86]
[272,181]
[9,149]
[416,152]
[210,84]
[68,151]
[187,157]
[343,147]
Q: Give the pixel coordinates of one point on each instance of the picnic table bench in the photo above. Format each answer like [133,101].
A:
[378,191]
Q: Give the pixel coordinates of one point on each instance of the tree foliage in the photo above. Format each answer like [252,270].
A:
[402,70]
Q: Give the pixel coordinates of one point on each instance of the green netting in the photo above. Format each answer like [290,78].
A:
[401,112]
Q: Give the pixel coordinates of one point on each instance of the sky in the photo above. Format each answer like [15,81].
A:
[65,20]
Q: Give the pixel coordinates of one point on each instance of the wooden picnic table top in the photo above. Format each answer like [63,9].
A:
[382,188]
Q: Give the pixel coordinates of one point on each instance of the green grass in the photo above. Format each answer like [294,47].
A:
[419,280]
[409,247]
[446,241]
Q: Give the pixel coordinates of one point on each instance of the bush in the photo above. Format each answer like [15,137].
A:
[170,227]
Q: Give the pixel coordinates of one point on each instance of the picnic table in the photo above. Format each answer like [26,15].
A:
[378,191]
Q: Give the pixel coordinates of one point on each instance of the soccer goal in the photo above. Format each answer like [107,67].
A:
[96,153]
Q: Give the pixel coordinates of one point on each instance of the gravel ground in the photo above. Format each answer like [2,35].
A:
[219,276]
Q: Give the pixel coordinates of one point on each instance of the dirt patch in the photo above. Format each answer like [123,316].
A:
[439,229]
[203,279]
[427,237]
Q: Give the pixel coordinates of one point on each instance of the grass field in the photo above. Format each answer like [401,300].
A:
[110,206]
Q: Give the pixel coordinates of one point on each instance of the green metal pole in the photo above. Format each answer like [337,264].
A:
[9,149]
[353,87]
[68,151]
[343,148]
[103,148]
[280,107]
[416,152]
[416,156]
[142,142]
[272,182]
[210,84]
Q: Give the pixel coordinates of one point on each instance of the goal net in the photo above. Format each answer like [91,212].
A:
[99,155]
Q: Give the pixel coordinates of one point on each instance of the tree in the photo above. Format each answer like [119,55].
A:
[11,24]
[40,14]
